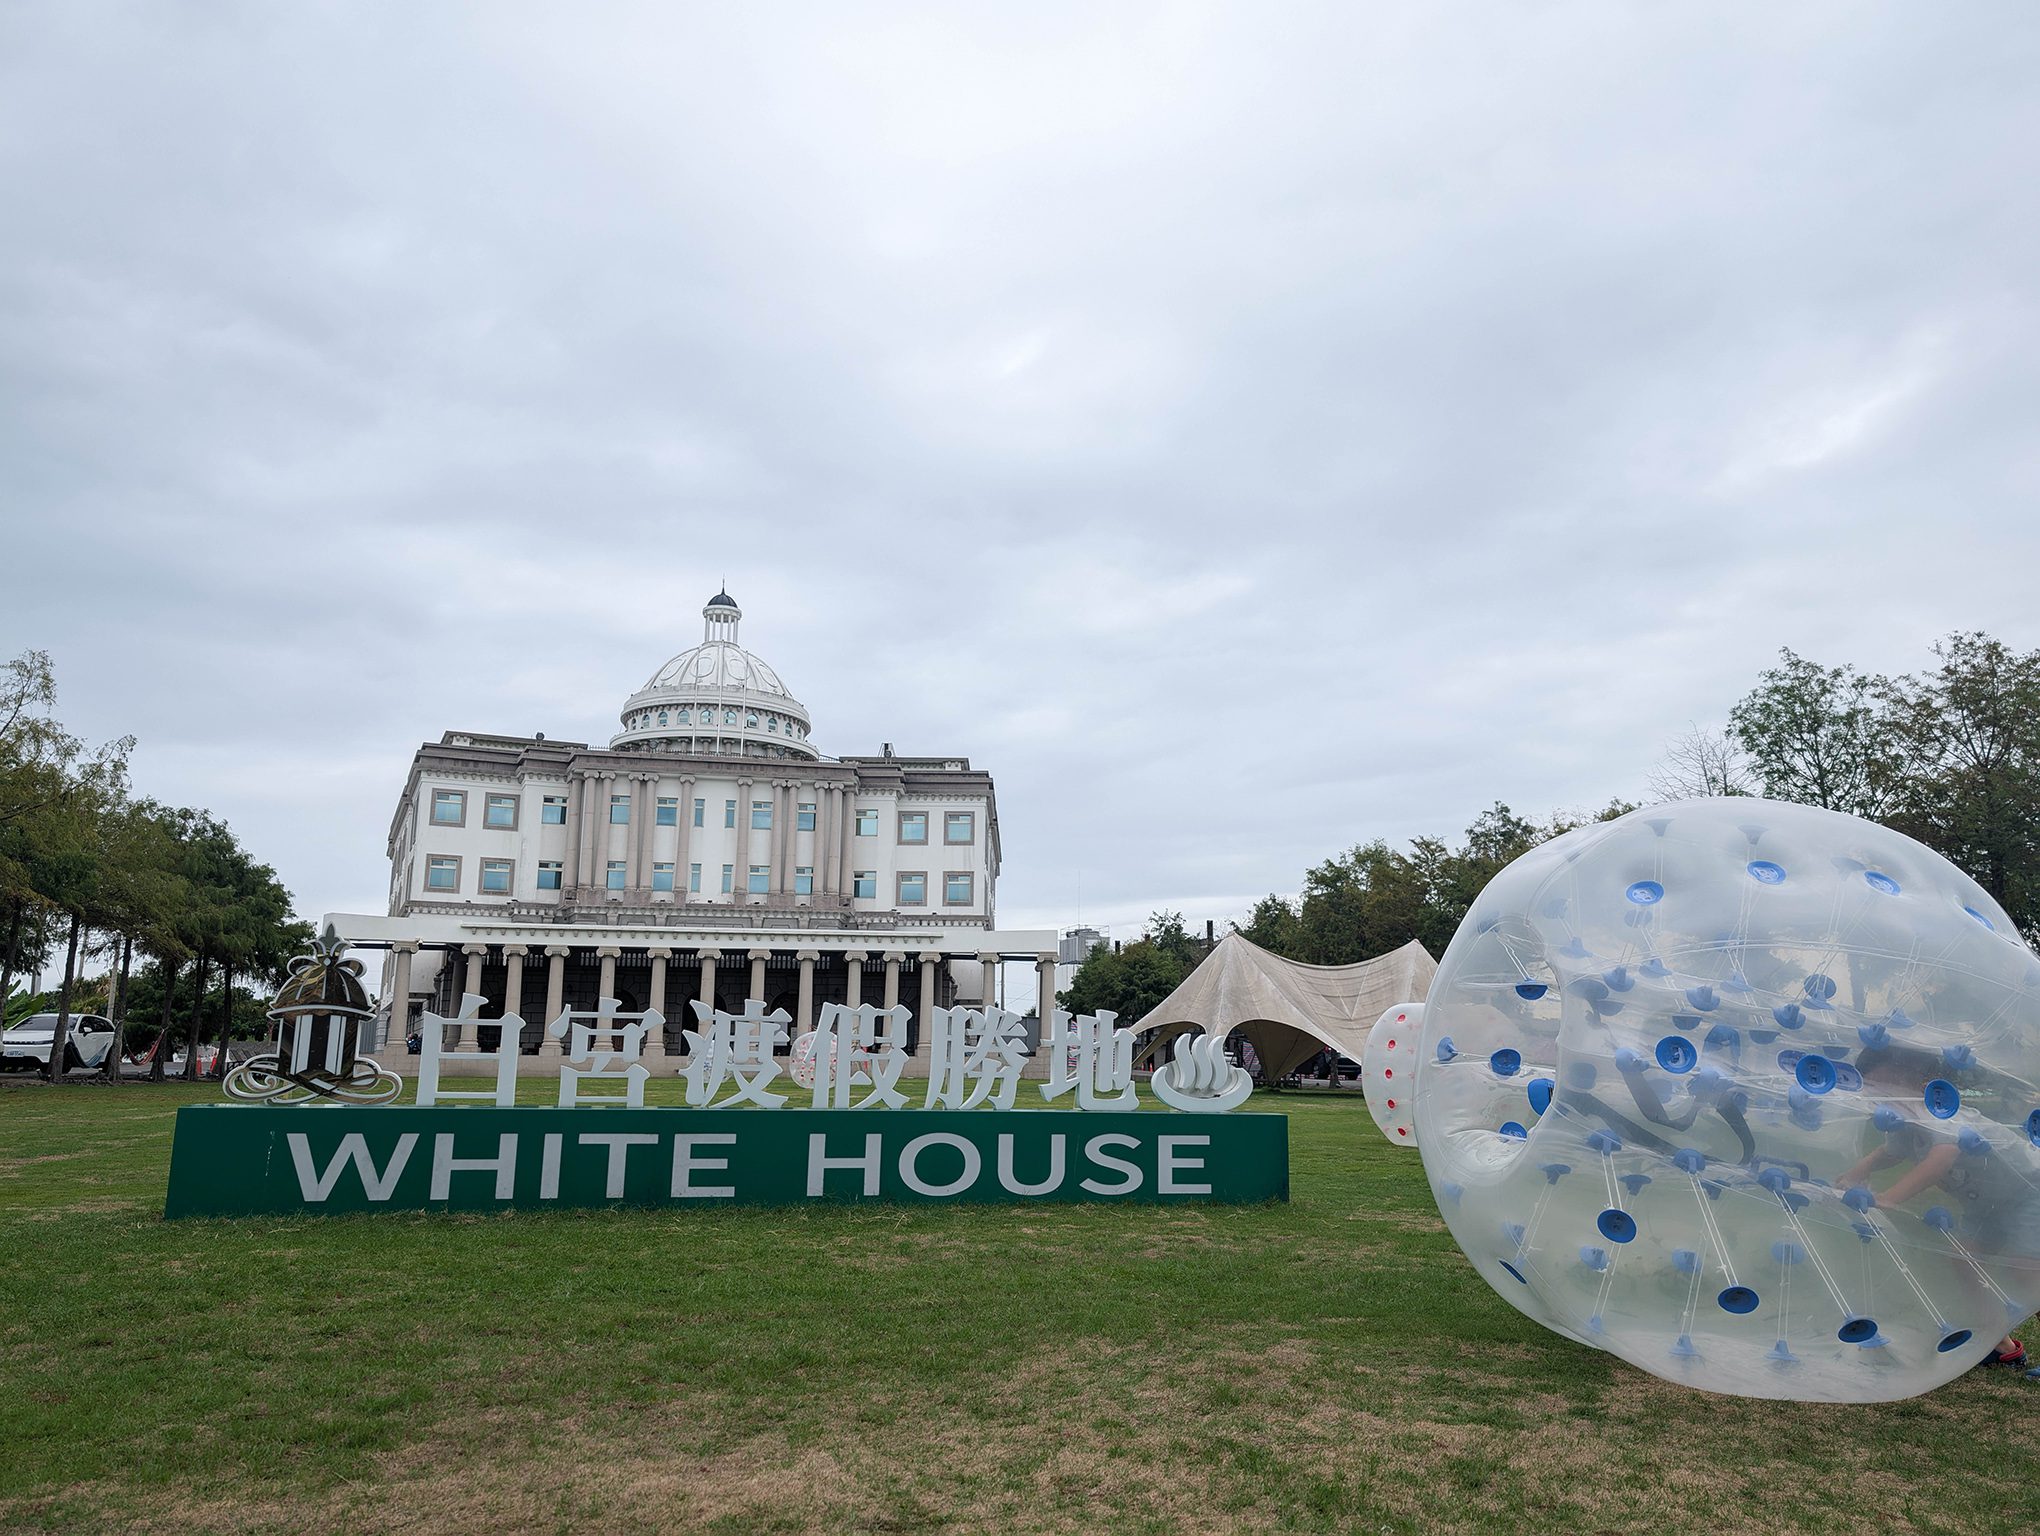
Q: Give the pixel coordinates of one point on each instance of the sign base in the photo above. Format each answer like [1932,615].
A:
[234,1160]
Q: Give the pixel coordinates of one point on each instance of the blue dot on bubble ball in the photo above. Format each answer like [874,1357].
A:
[1646,893]
[1616,1226]
[1880,882]
[1764,871]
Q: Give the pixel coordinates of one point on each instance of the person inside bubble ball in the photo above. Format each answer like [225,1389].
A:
[2009,1202]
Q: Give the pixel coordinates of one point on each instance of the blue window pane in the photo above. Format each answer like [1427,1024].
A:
[615,881]
[662,877]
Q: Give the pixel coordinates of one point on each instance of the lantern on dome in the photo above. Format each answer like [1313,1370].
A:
[318,1013]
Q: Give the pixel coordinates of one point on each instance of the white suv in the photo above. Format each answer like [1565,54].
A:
[26,1047]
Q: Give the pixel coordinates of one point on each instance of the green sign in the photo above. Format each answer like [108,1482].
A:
[231,1160]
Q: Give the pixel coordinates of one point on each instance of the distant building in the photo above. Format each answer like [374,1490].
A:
[711,851]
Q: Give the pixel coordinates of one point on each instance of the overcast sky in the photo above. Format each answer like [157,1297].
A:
[1246,430]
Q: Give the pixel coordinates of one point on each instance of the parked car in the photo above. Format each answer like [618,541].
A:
[26,1047]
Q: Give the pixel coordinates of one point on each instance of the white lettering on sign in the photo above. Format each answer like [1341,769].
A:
[549,1167]
[1011,1182]
[317,1186]
[819,1163]
[910,1164]
[686,1165]
[445,1165]
[1168,1161]
[1094,1149]
[619,1144]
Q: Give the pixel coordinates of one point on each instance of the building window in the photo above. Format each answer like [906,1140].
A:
[959,827]
[669,812]
[804,818]
[662,718]
[662,877]
[867,823]
[553,813]
[759,881]
[700,806]
[694,878]
[956,888]
[500,811]
[549,873]
[619,810]
[729,813]
[913,826]
[761,815]
[449,807]
[864,885]
[803,880]
[772,722]
[728,873]
[729,717]
[913,888]
[442,872]
[750,719]
[495,877]
[615,876]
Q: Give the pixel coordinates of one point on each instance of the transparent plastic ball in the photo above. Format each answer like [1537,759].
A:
[1388,1071]
[1744,1093]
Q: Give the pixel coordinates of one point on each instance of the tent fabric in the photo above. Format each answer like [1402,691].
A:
[1287,1010]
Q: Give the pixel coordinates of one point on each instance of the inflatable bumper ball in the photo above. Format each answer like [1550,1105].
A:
[1747,1094]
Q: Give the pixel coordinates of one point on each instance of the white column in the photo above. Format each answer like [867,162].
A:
[854,985]
[989,966]
[400,995]
[758,957]
[471,982]
[1044,973]
[572,863]
[927,1009]
[804,1010]
[684,844]
[606,986]
[892,978]
[555,998]
[655,1042]
[708,959]
[513,983]
[848,842]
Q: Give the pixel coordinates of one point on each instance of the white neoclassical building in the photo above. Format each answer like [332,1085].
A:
[710,851]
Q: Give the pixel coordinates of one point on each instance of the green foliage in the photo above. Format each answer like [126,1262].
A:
[79,856]
[1130,981]
[1376,898]
[1820,736]
[1950,756]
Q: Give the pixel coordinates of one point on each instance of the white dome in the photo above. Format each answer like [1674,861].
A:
[718,664]
[716,698]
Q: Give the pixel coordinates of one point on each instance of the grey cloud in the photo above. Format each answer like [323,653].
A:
[1247,430]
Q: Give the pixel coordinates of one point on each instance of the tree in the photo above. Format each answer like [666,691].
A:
[1822,736]
[1970,733]
[1700,764]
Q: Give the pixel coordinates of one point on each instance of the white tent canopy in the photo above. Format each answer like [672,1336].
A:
[1287,1010]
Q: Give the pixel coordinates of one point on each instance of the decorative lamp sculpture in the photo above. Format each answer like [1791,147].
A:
[1388,1072]
[319,1013]
[1747,1094]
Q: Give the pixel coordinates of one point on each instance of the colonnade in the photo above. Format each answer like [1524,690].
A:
[886,967]
[590,795]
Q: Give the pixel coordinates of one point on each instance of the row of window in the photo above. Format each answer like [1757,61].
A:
[449,809]
[685,714]
[498,878]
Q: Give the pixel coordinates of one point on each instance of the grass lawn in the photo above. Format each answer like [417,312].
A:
[1327,1365]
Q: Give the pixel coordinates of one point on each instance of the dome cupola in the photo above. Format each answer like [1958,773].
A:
[717,699]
